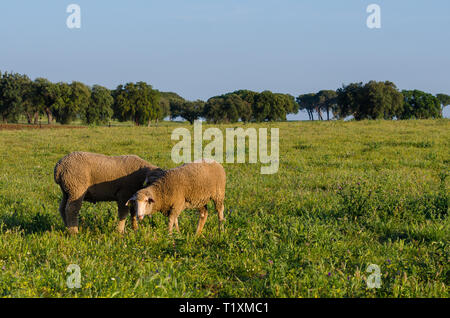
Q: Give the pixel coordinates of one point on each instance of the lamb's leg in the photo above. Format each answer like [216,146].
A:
[72,208]
[220,207]
[123,213]
[173,218]
[201,222]
[62,207]
[134,222]
[176,225]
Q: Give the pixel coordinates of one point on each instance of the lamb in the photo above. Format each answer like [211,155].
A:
[191,185]
[84,176]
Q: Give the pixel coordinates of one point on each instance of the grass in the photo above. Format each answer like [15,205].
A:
[347,194]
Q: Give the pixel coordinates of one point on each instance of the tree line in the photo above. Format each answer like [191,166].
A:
[373,100]
[142,104]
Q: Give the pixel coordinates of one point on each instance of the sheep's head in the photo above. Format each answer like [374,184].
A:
[142,203]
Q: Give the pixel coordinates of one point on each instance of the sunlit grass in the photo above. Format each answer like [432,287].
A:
[346,195]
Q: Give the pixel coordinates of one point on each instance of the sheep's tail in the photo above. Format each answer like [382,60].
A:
[57,173]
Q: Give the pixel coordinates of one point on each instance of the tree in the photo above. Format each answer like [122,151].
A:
[374,100]
[383,101]
[31,103]
[165,101]
[228,108]
[306,102]
[420,105]
[63,110]
[222,108]
[444,99]
[189,110]
[281,105]
[136,101]
[13,89]
[45,97]
[70,101]
[244,109]
[261,106]
[246,103]
[327,100]
[348,99]
[99,110]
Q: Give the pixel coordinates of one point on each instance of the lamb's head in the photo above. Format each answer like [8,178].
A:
[142,202]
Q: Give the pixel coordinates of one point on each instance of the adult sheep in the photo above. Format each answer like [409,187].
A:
[84,176]
[191,185]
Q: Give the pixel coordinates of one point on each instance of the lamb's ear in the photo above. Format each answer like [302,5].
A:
[133,198]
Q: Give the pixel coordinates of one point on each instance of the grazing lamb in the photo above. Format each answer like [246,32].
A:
[91,177]
[191,185]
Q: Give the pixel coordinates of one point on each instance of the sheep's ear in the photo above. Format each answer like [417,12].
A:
[133,198]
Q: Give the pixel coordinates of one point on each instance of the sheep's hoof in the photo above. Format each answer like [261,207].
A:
[120,231]
[199,235]
[73,230]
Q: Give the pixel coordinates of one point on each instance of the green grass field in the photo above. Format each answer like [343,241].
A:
[347,194]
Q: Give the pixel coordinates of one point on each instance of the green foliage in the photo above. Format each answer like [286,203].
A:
[374,100]
[324,100]
[100,106]
[307,102]
[138,102]
[246,106]
[327,101]
[14,89]
[142,104]
[189,110]
[444,99]
[63,109]
[166,99]
[225,108]
[420,105]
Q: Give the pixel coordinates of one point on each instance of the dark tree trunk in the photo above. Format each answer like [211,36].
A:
[319,112]
[49,116]
[29,118]
[328,113]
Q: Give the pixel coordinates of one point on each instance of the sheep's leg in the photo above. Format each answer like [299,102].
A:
[134,222]
[176,225]
[201,222]
[173,218]
[72,208]
[123,213]
[62,207]
[220,208]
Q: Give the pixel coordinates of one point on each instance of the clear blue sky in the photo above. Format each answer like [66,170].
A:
[202,48]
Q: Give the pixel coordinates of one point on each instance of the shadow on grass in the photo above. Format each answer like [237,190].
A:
[409,238]
[37,223]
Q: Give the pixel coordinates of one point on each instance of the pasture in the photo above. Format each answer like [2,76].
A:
[346,195]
